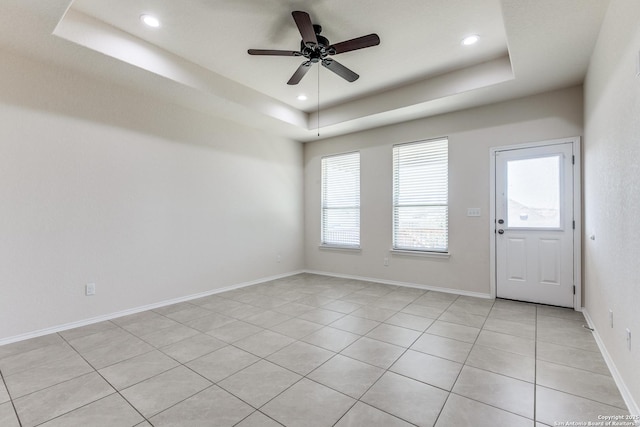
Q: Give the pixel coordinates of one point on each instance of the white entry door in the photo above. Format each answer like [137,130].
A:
[534,228]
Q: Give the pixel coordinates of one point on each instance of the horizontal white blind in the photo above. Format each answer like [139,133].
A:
[341,200]
[420,196]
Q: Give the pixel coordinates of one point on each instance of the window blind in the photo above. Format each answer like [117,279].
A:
[341,200]
[420,196]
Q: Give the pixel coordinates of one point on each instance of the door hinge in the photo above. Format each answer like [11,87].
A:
[574,289]
[573,160]
[574,224]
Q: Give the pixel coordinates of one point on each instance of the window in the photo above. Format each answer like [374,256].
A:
[420,196]
[341,200]
[533,192]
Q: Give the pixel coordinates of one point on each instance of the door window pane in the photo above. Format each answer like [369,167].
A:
[533,192]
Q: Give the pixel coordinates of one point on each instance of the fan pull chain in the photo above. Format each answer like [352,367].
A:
[318,101]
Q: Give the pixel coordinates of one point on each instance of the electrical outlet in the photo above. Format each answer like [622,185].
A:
[611,318]
[386,262]
[278,258]
[90,289]
[628,339]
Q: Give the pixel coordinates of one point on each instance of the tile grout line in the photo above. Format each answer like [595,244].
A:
[13,405]
[260,358]
[107,381]
[154,349]
[457,376]
[179,364]
[213,383]
[61,382]
[285,367]
[465,360]
[484,403]
[406,348]
[388,369]
[358,400]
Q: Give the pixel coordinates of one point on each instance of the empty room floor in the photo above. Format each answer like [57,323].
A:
[311,350]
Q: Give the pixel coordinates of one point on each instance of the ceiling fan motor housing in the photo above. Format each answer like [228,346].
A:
[317,52]
[315,48]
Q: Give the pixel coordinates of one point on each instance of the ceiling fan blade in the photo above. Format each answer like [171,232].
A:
[303,21]
[340,70]
[273,52]
[354,44]
[300,72]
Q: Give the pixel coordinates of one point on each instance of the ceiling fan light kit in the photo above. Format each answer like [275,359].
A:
[316,48]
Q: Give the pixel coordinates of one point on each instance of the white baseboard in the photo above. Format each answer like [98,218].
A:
[97,319]
[406,284]
[633,407]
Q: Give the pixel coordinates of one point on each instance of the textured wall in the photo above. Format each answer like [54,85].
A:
[612,188]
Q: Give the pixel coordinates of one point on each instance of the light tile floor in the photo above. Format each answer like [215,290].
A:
[311,350]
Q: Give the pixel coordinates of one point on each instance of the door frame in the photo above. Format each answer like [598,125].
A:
[577,212]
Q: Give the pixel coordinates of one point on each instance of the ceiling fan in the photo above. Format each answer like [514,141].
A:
[316,48]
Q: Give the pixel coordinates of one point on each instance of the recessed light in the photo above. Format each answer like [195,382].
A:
[469,40]
[149,20]
[302,97]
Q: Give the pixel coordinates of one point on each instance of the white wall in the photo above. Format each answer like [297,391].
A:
[471,133]
[147,200]
[612,188]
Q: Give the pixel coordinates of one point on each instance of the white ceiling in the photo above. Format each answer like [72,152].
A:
[198,57]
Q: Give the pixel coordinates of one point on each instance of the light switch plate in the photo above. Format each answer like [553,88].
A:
[473,211]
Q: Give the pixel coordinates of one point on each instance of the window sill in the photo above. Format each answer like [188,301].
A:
[340,248]
[423,254]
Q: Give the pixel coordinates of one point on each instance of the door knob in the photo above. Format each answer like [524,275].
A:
[501,231]
[501,221]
